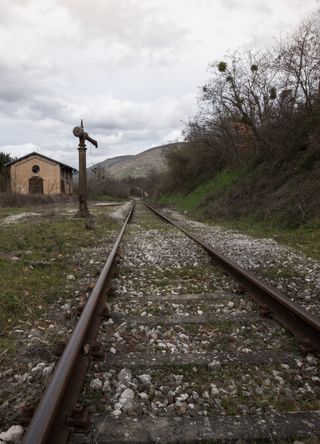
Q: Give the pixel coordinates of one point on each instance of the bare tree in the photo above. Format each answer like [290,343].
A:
[298,60]
[244,89]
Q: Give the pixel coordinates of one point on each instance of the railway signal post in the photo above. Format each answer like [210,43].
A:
[78,131]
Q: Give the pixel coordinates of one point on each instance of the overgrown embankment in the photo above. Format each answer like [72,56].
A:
[253,157]
[276,196]
[285,192]
[261,201]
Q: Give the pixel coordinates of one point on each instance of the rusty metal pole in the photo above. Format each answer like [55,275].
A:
[78,131]
[83,197]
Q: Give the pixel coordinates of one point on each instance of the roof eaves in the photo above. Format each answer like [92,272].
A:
[34,153]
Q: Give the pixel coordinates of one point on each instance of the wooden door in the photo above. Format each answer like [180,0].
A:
[36,185]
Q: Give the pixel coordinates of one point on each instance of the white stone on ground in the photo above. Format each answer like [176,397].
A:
[12,434]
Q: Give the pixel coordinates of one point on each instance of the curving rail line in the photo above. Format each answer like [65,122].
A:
[291,315]
[60,397]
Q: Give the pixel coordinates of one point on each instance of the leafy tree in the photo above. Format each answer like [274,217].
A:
[4,171]
[5,158]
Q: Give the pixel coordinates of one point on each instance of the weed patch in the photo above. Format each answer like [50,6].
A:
[305,238]
[208,190]
[35,258]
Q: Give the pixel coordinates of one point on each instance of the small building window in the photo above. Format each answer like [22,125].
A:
[36,168]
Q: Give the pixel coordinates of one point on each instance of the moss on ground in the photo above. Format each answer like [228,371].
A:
[193,200]
[305,238]
[106,198]
[235,392]
[192,279]
[36,255]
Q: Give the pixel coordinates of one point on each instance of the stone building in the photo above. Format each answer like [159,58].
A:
[38,174]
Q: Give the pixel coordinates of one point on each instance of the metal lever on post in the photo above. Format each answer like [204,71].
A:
[94,142]
[79,132]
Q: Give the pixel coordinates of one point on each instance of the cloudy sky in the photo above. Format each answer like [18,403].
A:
[129,68]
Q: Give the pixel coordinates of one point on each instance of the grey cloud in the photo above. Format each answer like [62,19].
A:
[120,125]
[49,53]
[230,4]
[17,82]
[268,8]
[135,24]
[125,66]
[260,7]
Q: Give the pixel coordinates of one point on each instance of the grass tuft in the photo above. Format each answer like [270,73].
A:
[208,190]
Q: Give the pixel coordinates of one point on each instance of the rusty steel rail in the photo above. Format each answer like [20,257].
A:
[290,314]
[48,422]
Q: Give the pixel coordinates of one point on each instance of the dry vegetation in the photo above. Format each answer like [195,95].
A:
[36,256]
[122,188]
[255,142]
[18,200]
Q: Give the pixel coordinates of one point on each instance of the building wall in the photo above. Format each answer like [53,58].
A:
[66,176]
[21,172]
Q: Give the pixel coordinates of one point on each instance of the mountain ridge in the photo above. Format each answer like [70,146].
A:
[133,165]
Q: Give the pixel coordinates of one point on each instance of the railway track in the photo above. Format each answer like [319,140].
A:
[186,355]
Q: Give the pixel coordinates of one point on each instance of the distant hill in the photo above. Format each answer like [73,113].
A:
[138,165]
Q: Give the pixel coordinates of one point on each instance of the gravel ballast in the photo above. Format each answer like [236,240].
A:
[226,360]
[291,272]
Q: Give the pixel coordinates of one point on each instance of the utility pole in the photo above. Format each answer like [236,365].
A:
[78,131]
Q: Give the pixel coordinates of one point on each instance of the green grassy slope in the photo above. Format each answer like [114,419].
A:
[263,201]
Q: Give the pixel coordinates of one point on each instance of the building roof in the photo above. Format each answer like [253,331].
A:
[34,153]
